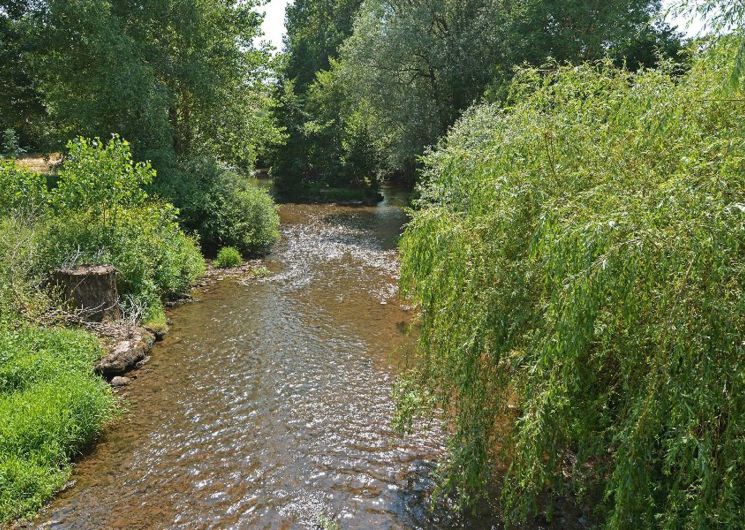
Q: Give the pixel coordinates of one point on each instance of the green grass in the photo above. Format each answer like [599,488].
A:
[52,406]
[260,272]
[228,257]
[156,320]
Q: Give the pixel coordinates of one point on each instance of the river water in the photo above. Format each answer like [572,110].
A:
[268,405]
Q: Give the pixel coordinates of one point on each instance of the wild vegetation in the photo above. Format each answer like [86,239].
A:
[184,84]
[577,257]
[52,407]
[94,211]
[368,85]
[575,251]
[228,257]
[98,212]
[180,80]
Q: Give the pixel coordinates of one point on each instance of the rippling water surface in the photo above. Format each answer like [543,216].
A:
[268,405]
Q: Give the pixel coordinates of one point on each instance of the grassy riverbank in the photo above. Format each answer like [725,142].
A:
[94,210]
[52,406]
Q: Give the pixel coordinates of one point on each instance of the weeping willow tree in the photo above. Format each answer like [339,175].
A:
[578,260]
[718,16]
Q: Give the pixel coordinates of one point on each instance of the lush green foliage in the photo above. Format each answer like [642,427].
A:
[224,208]
[330,142]
[20,285]
[171,76]
[328,139]
[9,145]
[228,257]
[419,66]
[408,70]
[578,263]
[98,212]
[22,192]
[52,407]
[153,256]
[21,107]
[180,79]
[51,404]
[99,177]
[721,16]
[315,30]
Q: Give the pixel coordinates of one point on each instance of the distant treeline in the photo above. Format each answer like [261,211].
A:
[367,86]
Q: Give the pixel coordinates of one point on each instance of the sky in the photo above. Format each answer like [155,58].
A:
[274,22]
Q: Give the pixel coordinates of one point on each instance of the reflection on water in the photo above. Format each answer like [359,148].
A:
[269,404]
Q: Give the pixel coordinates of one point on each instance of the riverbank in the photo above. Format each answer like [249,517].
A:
[95,209]
[269,401]
[127,344]
[48,372]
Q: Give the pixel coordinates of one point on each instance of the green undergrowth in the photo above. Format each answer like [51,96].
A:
[228,257]
[156,320]
[52,406]
[224,207]
[95,211]
[578,258]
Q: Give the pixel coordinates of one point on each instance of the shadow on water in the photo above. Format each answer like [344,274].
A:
[268,405]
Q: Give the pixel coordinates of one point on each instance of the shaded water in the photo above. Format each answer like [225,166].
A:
[268,405]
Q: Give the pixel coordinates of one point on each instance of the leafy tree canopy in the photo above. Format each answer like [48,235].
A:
[171,76]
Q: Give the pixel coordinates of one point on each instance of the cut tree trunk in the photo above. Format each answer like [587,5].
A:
[90,291]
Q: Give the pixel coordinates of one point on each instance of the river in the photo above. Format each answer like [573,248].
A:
[268,405]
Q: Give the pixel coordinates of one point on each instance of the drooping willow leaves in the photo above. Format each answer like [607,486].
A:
[578,259]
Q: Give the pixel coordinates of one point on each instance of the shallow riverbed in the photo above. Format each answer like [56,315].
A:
[268,405]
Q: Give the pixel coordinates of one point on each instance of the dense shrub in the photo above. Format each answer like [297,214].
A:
[579,263]
[240,215]
[22,192]
[228,257]
[98,177]
[51,407]
[153,256]
[222,206]
[98,212]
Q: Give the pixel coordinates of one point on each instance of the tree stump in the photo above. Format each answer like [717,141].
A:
[90,291]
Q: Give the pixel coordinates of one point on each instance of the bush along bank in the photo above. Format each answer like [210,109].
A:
[221,206]
[95,210]
[578,260]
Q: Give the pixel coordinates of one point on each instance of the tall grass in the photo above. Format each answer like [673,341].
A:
[578,259]
[51,406]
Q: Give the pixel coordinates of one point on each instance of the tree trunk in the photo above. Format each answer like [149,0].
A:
[90,291]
